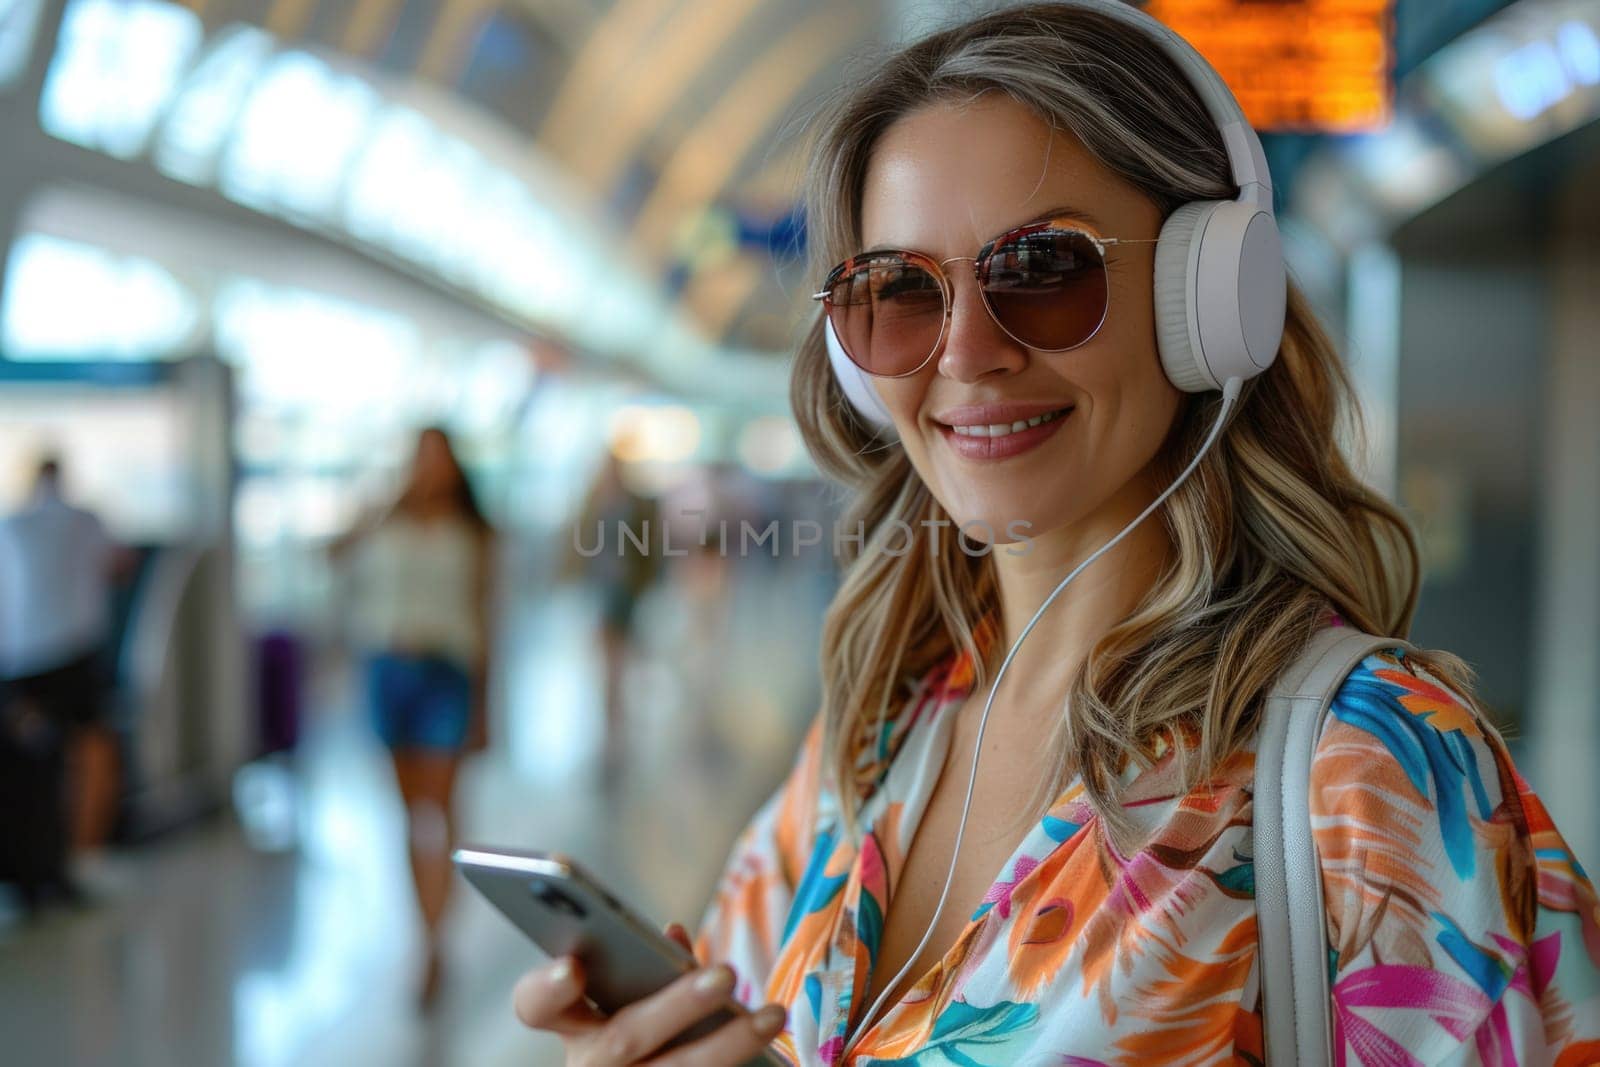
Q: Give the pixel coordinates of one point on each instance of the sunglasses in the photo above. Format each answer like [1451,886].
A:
[1044,284]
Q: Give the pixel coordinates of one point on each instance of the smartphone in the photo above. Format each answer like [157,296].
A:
[565,910]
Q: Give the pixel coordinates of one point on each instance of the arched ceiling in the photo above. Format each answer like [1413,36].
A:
[676,115]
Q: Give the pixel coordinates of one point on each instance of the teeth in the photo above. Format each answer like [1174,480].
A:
[1001,429]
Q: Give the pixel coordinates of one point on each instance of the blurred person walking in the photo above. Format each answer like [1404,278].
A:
[606,554]
[57,564]
[423,583]
[702,524]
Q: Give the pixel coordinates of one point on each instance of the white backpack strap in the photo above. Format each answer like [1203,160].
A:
[1291,919]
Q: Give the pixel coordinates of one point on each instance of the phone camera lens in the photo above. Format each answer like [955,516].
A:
[555,899]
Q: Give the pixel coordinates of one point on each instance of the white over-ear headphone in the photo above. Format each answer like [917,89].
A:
[1220,282]
[1220,288]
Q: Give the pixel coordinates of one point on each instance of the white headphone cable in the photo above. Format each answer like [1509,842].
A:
[1230,396]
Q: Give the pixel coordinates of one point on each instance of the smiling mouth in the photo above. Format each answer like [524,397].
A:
[1006,429]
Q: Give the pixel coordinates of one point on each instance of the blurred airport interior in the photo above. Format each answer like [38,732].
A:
[253,247]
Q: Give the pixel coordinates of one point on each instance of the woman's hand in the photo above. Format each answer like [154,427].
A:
[551,998]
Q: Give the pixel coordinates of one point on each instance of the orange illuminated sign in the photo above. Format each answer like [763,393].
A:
[1313,66]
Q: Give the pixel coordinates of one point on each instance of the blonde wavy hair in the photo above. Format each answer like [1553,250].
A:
[1272,530]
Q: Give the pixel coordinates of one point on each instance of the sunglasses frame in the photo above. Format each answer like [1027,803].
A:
[935,267]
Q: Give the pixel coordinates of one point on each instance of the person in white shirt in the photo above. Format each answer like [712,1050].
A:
[421,615]
[57,564]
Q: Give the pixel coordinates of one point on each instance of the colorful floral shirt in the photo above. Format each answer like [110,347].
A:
[1461,929]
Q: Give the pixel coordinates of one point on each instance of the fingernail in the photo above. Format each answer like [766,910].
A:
[718,980]
[560,971]
[769,1020]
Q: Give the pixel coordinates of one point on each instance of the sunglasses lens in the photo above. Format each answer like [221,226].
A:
[1048,289]
[888,312]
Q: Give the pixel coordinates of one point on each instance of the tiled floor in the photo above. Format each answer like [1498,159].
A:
[208,950]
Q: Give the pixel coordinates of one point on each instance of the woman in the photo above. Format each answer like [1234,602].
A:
[1102,907]
[422,611]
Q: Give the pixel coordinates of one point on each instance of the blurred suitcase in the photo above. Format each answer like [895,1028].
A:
[280,689]
[33,836]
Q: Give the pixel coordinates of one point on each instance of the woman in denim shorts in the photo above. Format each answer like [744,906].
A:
[422,580]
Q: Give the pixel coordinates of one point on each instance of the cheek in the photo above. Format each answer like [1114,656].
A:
[1128,364]
[1142,416]
[903,397]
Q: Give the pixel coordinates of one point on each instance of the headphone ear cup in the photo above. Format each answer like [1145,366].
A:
[857,386]
[1177,323]
[1262,290]
[1220,293]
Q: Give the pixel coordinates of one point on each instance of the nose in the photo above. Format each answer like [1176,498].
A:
[974,344]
